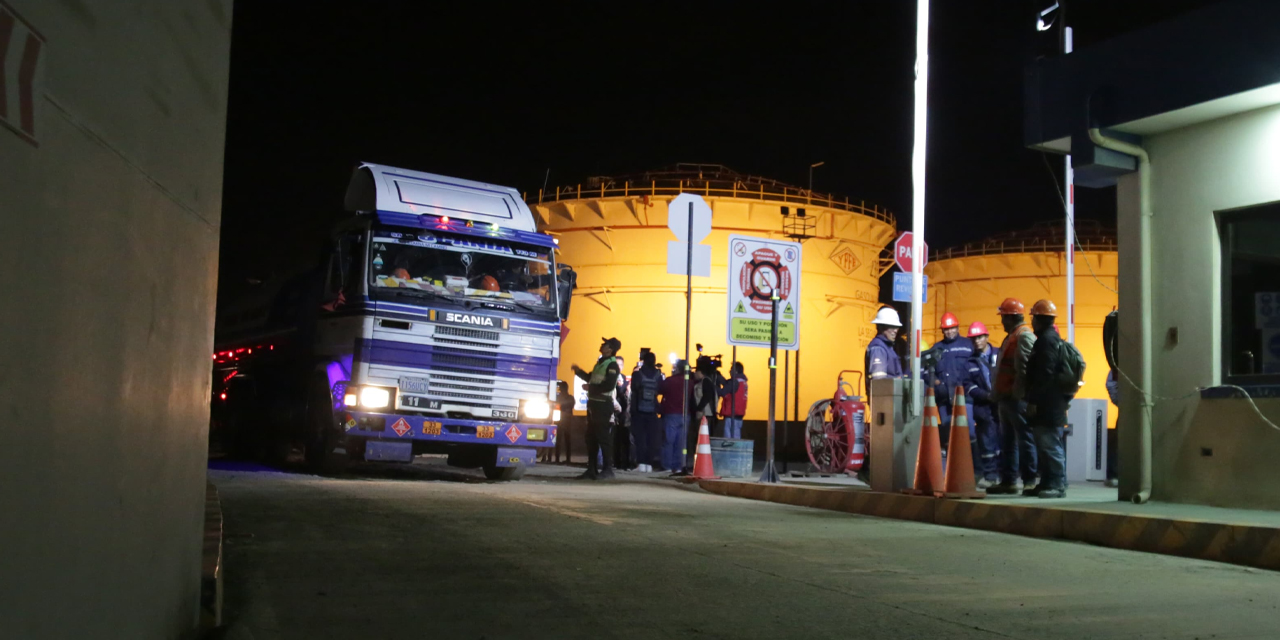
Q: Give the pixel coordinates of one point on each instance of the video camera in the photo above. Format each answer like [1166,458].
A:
[708,363]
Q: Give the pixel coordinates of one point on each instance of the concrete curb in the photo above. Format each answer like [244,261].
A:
[1243,544]
[211,561]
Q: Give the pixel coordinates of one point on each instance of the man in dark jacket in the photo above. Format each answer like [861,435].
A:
[985,434]
[953,353]
[602,384]
[646,430]
[1046,403]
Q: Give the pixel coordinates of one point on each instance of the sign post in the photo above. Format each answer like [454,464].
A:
[764,309]
[689,217]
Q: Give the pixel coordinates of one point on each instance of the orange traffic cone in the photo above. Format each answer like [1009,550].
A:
[959,479]
[929,457]
[702,467]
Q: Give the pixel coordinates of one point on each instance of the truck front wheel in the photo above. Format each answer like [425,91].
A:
[322,434]
[494,472]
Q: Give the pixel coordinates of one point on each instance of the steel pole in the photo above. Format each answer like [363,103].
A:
[786,397]
[770,473]
[917,197]
[688,314]
[1069,196]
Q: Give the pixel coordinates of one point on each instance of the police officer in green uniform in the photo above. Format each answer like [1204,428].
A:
[602,382]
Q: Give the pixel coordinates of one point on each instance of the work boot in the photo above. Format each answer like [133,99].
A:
[1053,493]
[607,474]
[985,483]
[1005,489]
[1031,492]
[589,474]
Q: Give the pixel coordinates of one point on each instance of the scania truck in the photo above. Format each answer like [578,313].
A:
[431,325]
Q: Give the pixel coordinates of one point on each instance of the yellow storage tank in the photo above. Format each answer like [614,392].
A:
[613,231]
[971,282]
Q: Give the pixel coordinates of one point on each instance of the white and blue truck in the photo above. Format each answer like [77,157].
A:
[431,324]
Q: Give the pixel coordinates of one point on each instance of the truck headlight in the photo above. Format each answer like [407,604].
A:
[374,397]
[537,409]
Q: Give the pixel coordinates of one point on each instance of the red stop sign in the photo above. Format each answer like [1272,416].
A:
[902,252]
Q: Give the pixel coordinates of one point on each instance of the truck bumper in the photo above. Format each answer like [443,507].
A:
[507,435]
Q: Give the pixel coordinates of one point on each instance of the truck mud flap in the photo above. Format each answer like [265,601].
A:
[516,457]
[388,451]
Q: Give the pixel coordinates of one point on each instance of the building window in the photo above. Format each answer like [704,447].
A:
[1251,294]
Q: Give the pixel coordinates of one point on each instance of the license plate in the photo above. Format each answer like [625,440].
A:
[431,428]
[484,432]
[505,415]
[419,403]
[413,385]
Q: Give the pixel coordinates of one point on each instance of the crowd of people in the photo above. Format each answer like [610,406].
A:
[641,421]
[1015,396]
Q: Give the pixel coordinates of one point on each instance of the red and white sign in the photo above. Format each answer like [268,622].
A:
[760,275]
[902,252]
[401,427]
[513,434]
[20,74]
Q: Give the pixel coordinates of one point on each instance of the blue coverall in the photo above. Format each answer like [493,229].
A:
[985,433]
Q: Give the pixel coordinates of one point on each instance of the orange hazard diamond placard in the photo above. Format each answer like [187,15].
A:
[513,434]
[401,427]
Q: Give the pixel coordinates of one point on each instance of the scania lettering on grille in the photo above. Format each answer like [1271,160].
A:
[468,319]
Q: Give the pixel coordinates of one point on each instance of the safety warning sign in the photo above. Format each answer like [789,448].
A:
[758,269]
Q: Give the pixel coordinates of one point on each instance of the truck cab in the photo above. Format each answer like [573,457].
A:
[431,325]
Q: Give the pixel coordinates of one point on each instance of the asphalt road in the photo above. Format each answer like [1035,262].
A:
[417,552]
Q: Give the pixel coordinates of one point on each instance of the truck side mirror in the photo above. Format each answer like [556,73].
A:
[565,284]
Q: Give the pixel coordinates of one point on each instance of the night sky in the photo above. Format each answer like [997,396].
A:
[500,94]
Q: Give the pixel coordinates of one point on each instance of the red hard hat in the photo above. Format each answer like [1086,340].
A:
[490,283]
[1011,307]
[977,329]
[1044,308]
[950,321]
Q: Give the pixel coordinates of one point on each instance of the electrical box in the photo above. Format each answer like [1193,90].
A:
[895,435]
[1086,435]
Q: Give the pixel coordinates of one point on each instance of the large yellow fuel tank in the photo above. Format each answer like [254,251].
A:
[613,231]
[971,281]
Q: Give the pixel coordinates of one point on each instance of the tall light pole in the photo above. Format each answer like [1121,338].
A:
[1068,183]
[917,196]
[811,168]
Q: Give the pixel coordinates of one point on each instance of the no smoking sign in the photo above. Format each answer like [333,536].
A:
[759,268]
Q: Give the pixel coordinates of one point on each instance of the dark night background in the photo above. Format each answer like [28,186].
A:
[499,93]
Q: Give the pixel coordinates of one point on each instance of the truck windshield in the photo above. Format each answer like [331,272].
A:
[463,267]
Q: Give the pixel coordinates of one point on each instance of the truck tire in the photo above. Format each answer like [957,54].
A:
[322,437]
[503,474]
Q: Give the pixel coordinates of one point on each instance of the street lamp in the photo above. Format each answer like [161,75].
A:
[811,168]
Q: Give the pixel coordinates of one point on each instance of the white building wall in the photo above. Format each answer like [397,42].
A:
[1198,170]
[108,266]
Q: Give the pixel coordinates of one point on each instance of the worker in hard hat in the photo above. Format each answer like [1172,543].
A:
[881,360]
[985,434]
[602,384]
[951,357]
[1009,388]
[1046,403]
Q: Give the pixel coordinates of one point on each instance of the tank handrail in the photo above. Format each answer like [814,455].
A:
[1022,246]
[721,189]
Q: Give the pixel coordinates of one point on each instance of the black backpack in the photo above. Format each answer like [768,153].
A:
[644,390]
[1070,375]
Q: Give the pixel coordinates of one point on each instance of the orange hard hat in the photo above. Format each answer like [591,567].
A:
[950,321]
[490,283]
[1011,307]
[977,329]
[1044,308]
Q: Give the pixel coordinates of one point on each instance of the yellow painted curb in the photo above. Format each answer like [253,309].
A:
[1249,545]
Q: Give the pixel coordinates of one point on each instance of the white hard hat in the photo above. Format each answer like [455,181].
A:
[887,316]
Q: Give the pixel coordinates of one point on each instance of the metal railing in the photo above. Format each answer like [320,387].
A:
[997,247]
[712,188]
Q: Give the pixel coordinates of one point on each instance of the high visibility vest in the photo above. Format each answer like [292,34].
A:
[734,405]
[1007,372]
[597,378]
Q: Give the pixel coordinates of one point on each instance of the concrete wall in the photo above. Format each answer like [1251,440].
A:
[109,226]
[1222,164]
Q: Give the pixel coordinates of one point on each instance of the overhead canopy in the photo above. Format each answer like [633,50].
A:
[389,190]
